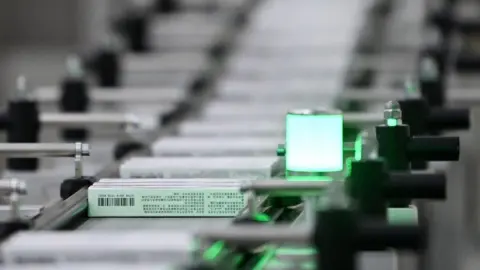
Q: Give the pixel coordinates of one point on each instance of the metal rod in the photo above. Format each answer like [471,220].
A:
[8,186]
[372,96]
[43,149]
[78,161]
[88,119]
[363,119]
[252,203]
[14,201]
[384,95]
[142,95]
[251,234]
[285,188]
[310,204]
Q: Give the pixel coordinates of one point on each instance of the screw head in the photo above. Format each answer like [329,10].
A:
[392,111]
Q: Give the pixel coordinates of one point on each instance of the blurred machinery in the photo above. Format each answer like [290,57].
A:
[242,134]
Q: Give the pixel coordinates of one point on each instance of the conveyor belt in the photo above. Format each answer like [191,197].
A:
[369,261]
[170,222]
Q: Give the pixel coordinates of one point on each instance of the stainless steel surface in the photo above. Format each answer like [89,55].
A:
[285,188]
[43,149]
[364,120]
[276,234]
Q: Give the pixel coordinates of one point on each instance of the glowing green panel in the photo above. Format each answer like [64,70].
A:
[358,148]
[314,143]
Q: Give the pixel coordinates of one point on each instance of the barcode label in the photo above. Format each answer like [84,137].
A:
[114,202]
[155,201]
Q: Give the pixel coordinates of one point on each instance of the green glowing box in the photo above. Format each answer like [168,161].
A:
[314,142]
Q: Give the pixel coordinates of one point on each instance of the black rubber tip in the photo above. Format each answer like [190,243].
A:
[467,63]
[106,65]
[73,185]
[123,149]
[434,148]
[448,119]
[23,164]
[135,27]
[4,121]
[417,186]
[379,235]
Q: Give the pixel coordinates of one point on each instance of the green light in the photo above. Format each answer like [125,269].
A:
[261,217]
[314,141]
[358,147]
[212,252]
[392,122]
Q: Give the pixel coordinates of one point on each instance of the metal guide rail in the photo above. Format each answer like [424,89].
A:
[70,212]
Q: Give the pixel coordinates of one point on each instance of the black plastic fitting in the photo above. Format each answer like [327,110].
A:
[4,121]
[393,143]
[339,234]
[467,63]
[9,228]
[423,120]
[439,54]
[398,148]
[417,186]
[335,239]
[73,185]
[434,148]
[166,6]
[106,65]
[366,185]
[433,90]
[74,99]
[134,27]
[468,26]
[413,114]
[444,21]
[378,235]
[373,189]
[23,127]
[440,119]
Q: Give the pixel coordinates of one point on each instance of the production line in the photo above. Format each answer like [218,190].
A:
[222,163]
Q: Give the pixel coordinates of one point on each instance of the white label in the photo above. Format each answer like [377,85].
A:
[172,202]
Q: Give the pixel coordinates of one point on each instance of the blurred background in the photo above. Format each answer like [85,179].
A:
[36,36]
